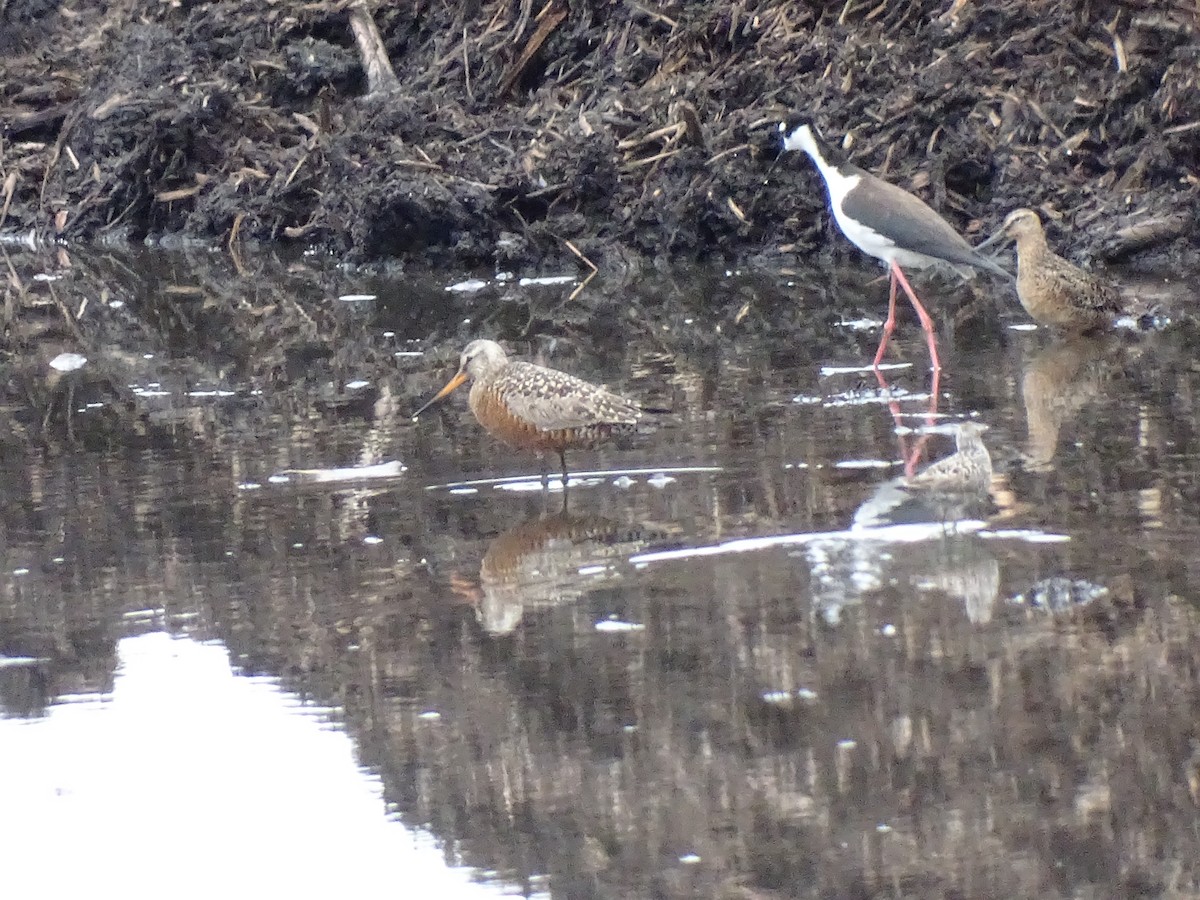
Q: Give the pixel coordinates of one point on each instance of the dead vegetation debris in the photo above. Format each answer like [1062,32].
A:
[494,132]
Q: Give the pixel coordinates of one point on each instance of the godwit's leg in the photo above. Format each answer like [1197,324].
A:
[562,458]
[890,325]
[926,321]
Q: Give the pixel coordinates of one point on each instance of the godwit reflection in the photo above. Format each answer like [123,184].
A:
[547,562]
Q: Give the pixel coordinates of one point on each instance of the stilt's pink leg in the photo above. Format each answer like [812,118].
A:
[890,325]
[911,458]
[926,321]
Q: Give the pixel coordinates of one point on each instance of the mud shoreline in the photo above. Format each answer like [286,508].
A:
[549,133]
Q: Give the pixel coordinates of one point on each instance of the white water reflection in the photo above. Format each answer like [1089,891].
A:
[189,780]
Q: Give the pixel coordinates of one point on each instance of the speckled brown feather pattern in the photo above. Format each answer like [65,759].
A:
[967,470]
[1055,292]
[536,408]
[532,406]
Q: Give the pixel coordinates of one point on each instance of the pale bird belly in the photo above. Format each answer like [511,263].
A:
[883,248]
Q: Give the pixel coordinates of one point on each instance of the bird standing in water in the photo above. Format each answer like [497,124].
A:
[890,224]
[969,470]
[536,408]
[1056,293]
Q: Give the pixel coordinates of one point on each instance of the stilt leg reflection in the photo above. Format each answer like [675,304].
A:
[911,454]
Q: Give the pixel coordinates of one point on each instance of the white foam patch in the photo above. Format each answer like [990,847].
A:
[616,626]
[908,533]
[546,279]
[389,469]
[827,371]
[1029,536]
[68,362]
[16,662]
[615,475]
[860,324]
[873,398]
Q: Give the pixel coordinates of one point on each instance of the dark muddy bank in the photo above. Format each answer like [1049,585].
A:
[520,132]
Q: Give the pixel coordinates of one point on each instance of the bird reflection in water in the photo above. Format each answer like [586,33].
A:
[547,562]
[911,451]
[1058,382]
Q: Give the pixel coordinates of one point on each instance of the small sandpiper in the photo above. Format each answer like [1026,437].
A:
[1056,293]
[968,471]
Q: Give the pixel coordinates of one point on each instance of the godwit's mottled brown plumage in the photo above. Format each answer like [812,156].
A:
[967,471]
[535,408]
[1056,293]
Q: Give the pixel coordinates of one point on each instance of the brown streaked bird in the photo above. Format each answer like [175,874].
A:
[1056,293]
[535,408]
[969,470]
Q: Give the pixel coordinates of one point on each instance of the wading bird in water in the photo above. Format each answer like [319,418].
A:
[968,470]
[1056,293]
[536,408]
[888,223]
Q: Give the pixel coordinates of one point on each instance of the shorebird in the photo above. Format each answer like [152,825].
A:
[969,470]
[536,408]
[1056,293]
[888,223]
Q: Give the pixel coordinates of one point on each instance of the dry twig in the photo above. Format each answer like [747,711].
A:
[380,76]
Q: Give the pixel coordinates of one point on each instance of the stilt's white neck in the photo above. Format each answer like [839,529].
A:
[802,138]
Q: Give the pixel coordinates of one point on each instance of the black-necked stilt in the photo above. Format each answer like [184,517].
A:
[1054,292]
[888,223]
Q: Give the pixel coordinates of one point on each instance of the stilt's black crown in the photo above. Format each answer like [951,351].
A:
[794,122]
[831,154]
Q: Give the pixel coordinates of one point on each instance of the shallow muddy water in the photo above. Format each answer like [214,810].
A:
[261,633]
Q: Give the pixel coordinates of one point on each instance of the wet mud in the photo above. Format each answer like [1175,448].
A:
[520,133]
